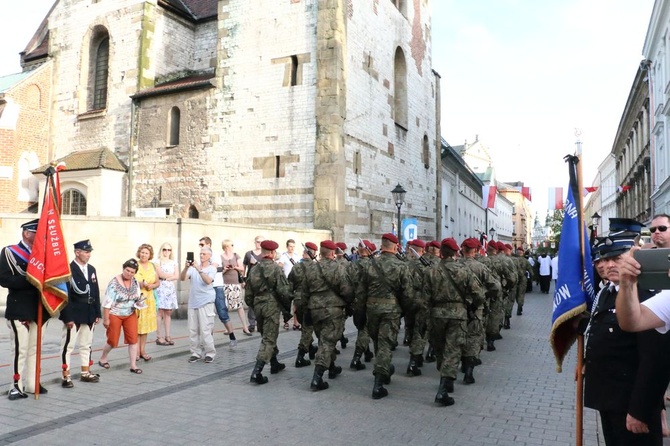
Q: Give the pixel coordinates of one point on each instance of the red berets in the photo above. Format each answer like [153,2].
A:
[342,246]
[434,244]
[416,242]
[312,246]
[329,244]
[390,237]
[492,244]
[450,243]
[371,246]
[269,245]
[508,246]
[471,243]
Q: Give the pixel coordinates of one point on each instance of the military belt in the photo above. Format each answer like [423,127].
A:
[381,300]
[449,305]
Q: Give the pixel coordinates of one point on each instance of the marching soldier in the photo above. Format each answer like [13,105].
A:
[296,278]
[21,312]
[81,314]
[365,251]
[418,321]
[476,333]
[451,290]
[383,290]
[268,293]
[510,267]
[327,290]
[526,271]
[496,313]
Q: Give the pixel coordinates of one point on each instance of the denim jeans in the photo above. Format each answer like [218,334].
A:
[220,304]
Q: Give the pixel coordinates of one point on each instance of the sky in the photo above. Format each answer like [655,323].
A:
[521,75]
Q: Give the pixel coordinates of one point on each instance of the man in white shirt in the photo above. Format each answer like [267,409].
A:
[288,258]
[554,268]
[545,272]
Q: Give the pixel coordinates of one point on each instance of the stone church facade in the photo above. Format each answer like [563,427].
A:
[301,113]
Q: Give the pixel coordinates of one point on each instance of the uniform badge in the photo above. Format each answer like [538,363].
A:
[93,280]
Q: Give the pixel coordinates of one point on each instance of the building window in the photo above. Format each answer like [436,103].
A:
[426,152]
[173,126]
[294,71]
[99,69]
[74,202]
[400,89]
[357,163]
[193,212]
[401,5]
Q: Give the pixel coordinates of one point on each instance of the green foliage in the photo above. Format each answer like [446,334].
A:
[556,225]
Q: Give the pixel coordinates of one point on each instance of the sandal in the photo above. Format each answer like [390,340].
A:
[146,357]
[169,340]
[104,365]
[285,325]
[136,371]
[296,326]
[161,341]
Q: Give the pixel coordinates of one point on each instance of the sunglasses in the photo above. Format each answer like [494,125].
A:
[167,249]
[660,228]
[201,244]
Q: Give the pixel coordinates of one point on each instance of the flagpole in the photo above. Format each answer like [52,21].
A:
[580,338]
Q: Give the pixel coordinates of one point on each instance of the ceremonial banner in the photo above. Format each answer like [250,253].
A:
[574,286]
[48,269]
[555,198]
[489,197]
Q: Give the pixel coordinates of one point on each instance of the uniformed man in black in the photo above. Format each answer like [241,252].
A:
[21,312]
[81,314]
[613,357]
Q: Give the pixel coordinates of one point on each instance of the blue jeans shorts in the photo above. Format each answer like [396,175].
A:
[220,304]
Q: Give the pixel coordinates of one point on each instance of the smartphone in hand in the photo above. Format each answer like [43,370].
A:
[190,258]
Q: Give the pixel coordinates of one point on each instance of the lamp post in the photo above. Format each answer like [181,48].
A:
[399,198]
[492,233]
[595,221]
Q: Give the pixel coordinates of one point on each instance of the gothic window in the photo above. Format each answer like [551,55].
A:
[294,71]
[400,89]
[74,202]
[193,212]
[99,69]
[401,5]
[173,126]
[426,152]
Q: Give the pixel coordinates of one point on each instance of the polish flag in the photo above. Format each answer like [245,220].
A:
[489,197]
[622,188]
[555,198]
[588,190]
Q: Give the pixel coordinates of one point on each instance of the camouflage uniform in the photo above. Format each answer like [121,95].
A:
[296,278]
[526,271]
[381,299]
[509,268]
[476,333]
[268,293]
[495,314]
[363,339]
[419,319]
[327,290]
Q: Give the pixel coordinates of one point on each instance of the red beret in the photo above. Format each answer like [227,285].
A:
[471,243]
[434,244]
[390,237]
[312,246]
[342,246]
[416,242]
[492,244]
[508,246]
[450,243]
[329,244]
[269,245]
[371,246]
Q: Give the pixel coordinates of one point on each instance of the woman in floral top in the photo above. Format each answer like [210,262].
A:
[122,298]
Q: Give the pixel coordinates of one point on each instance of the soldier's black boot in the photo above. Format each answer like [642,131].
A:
[356,363]
[407,339]
[334,370]
[312,351]
[344,341]
[419,360]
[507,325]
[275,365]
[430,354]
[469,370]
[387,379]
[489,345]
[300,361]
[317,380]
[413,369]
[368,355]
[378,390]
[519,310]
[442,398]
[256,376]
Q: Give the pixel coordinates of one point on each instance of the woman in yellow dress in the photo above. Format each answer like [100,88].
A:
[147,277]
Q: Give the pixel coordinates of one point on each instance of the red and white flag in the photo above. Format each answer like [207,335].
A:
[588,190]
[622,188]
[489,196]
[555,198]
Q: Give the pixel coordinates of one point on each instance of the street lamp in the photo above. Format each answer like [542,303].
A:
[492,233]
[399,198]
[595,221]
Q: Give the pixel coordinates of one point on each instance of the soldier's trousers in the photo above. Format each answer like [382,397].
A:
[419,338]
[383,329]
[267,321]
[362,341]
[495,318]
[306,338]
[328,326]
[521,291]
[509,301]
[475,336]
[448,337]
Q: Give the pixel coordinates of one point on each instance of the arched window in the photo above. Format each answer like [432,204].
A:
[74,202]
[401,5]
[99,69]
[193,212]
[400,89]
[173,126]
[426,152]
